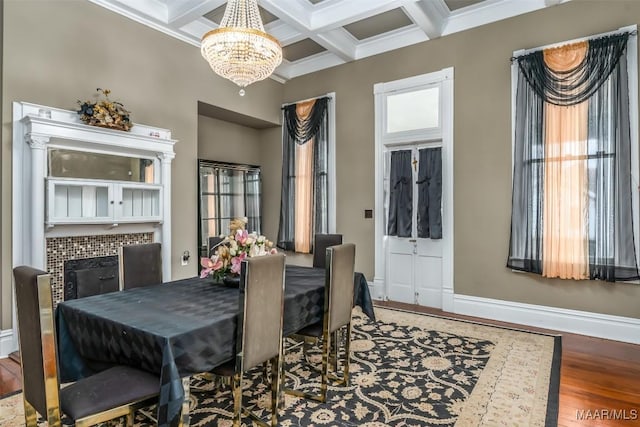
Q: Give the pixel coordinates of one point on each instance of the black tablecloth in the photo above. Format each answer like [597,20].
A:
[176,329]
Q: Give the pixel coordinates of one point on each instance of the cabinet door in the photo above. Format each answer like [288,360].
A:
[138,202]
[71,201]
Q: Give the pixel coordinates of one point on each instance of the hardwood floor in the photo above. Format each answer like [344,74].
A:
[599,381]
[10,376]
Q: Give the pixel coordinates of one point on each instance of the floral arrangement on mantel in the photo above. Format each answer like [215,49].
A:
[233,249]
[105,113]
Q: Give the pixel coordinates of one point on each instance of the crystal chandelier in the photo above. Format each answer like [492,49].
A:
[240,50]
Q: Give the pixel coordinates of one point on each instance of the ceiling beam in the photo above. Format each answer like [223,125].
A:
[297,14]
[431,16]
[336,14]
[319,61]
[405,36]
[282,31]
[183,12]
[488,12]
[198,28]
[339,42]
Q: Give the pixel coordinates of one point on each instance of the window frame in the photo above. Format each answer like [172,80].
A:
[331,146]
[632,75]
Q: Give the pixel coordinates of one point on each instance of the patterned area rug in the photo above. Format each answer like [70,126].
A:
[407,369]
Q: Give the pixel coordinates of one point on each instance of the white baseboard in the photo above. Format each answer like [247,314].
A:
[618,328]
[599,325]
[7,343]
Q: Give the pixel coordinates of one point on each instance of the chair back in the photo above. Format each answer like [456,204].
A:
[213,244]
[34,304]
[320,244]
[262,307]
[339,285]
[140,265]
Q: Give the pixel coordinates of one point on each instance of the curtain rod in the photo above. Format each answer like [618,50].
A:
[631,29]
[327,95]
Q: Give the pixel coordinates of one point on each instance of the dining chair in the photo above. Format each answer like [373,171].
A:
[320,244]
[338,302]
[140,265]
[213,244]
[259,330]
[110,394]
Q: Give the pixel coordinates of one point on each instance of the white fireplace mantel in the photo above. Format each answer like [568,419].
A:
[36,129]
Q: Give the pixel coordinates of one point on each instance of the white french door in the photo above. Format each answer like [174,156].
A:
[414,264]
[414,114]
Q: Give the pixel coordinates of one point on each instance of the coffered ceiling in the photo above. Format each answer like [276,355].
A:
[318,34]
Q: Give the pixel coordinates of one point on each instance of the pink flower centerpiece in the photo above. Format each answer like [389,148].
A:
[233,249]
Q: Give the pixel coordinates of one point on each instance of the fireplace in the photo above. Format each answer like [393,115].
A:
[90,276]
[86,252]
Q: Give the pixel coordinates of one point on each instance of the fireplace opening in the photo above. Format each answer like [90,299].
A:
[90,276]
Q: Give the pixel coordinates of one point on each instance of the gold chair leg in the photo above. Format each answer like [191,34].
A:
[185,419]
[344,379]
[276,379]
[130,417]
[30,415]
[347,355]
[326,350]
[237,399]
[53,418]
[265,366]
[336,350]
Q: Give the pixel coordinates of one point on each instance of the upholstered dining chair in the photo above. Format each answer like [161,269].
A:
[213,244]
[140,265]
[320,244]
[110,394]
[338,302]
[259,330]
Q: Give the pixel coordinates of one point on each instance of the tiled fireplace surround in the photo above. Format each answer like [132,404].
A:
[61,249]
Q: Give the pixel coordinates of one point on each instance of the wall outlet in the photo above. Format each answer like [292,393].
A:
[185,258]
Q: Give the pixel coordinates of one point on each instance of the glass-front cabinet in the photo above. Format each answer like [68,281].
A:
[227,191]
[73,201]
[95,188]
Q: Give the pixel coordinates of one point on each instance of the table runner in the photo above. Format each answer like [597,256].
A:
[176,329]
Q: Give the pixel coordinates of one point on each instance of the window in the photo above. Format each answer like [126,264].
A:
[575,160]
[308,184]
[227,191]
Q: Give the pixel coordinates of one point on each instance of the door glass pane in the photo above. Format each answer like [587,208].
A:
[413,110]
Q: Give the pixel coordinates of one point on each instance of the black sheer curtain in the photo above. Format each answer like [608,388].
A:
[297,131]
[601,80]
[400,194]
[429,218]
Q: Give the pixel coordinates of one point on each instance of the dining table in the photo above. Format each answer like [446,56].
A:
[177,329]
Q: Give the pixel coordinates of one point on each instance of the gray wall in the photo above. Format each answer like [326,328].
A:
[228,142]
[223,141]
[482,147]
[56,52]
[160,80]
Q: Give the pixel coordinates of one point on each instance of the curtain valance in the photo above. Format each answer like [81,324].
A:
[573,86]
[302,129]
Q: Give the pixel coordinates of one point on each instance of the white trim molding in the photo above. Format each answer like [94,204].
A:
[7,343]
[619,328]
[385,141]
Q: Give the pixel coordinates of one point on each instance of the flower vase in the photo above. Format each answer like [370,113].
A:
[231,280]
